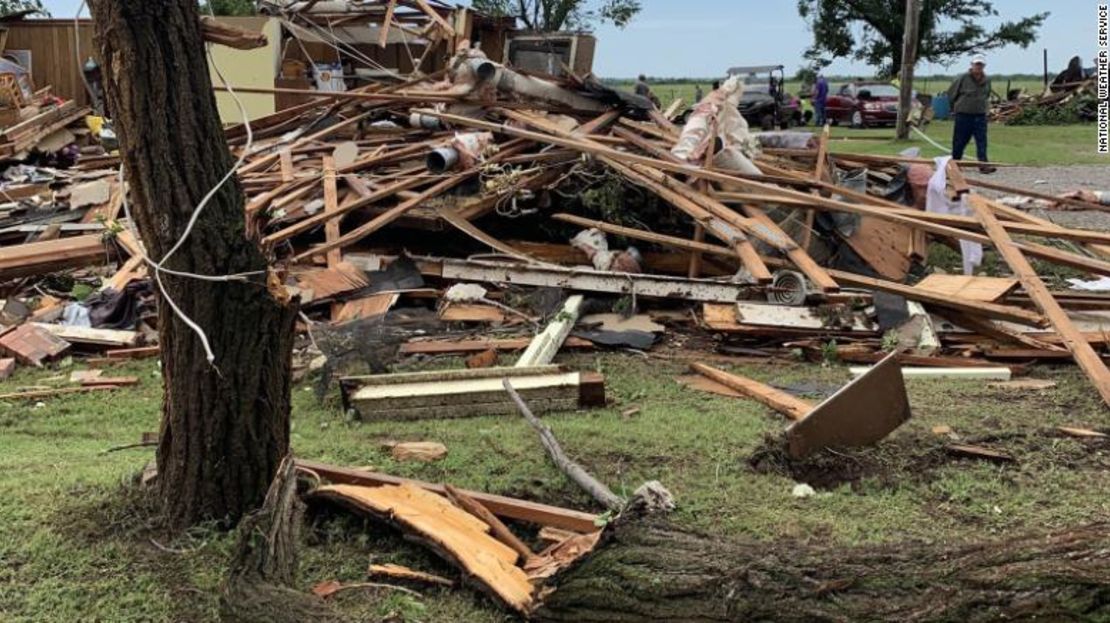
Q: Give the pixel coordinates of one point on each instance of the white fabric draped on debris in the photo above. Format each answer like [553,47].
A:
[718,116]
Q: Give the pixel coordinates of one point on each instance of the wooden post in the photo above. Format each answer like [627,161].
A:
[1073,339]
[909,60]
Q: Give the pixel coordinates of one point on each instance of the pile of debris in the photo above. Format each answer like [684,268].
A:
[481,211]
[1072,97]
[568,185]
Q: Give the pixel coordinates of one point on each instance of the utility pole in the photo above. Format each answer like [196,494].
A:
[909,61]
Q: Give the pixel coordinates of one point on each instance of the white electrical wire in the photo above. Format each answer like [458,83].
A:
[159,267]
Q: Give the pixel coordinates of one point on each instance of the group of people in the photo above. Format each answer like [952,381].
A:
[968,96]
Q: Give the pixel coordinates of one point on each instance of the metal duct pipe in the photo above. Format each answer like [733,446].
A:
[425,122]
[442,159]
[509,81]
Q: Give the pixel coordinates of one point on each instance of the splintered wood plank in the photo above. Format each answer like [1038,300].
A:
[1075,342]
[510,508]
[405,574]
[88,335]
[989,289]
[367,307]
[330,282]
[452,533]
[383,36]
[464,312]
[786,404]
[702,384]
[331,206]
[885,246]
[287,171]
[439,347]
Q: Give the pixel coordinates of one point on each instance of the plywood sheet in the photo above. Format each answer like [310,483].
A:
[989,289]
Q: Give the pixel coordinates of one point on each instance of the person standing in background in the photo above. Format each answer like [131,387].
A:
[642,89]
[970,99]
[820,99]
[698,95]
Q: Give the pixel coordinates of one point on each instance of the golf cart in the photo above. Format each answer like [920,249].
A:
[765,104]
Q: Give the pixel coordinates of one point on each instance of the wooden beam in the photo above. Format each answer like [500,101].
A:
[398,211]
[383,37]
[793,408]
[331,206]
[511,508]
[1080,349]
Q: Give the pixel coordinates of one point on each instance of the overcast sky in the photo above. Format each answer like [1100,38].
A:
[701,38]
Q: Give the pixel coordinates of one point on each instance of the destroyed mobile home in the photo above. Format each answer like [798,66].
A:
[482,210]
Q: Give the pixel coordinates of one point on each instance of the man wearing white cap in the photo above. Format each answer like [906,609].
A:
[970,99]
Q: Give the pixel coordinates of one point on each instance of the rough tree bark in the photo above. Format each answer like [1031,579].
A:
[649,570]
[260,584]
[225,428]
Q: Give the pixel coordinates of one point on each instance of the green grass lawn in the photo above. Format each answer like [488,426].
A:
[78,543]
[1025,145]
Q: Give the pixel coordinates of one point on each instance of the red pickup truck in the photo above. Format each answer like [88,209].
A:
[863,104]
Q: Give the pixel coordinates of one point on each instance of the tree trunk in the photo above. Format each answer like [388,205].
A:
[225,427]
[649,570]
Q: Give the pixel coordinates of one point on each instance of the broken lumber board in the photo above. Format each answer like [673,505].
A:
[475,312]
[405,574]
[142,352]
[367,307]
[590,280]
[328,283]
[964,374]
[500,531]
[451,532]
[714,217]
[989,289]
[1081,350]
[749,181]
[37,258]
[331,206]
[469,393]
[32,344]
[50,393]
[792,407]
[775,320]
[478,346]
[88,335]
[400,209]
[509,508]
[991,310]
[861,413]
[769,315]
[546,345]
[116,381]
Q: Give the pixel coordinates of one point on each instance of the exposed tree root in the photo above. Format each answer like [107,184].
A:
[263,571]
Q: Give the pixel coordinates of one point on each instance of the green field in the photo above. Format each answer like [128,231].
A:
[670,91]
[78,543]
[1025,145]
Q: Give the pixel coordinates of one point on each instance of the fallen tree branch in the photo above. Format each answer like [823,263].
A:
[652,570]
[568,466]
